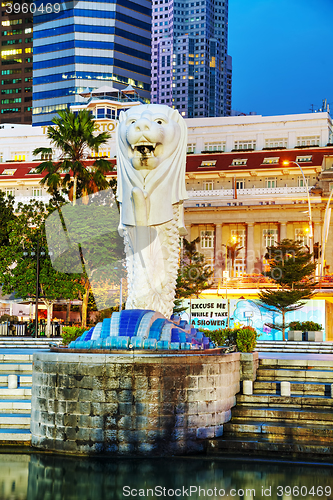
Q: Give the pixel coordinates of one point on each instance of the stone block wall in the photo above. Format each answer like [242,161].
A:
[249,363]
[131,404]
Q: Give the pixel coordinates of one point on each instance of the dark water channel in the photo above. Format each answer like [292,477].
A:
[46,477]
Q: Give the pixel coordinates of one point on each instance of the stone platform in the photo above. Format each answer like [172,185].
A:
[131,403]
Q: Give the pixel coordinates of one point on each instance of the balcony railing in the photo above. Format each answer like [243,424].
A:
[261,282]
[27,199]
[246,192]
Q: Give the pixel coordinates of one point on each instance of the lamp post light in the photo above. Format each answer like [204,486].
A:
[38,253]
[327,219]
[288,162]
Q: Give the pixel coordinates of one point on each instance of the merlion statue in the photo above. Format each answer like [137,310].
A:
[151,161]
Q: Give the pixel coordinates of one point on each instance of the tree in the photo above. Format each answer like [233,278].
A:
[194,272]
[291,269]
[6,216]
[18,272]
[86,240]
[74,136]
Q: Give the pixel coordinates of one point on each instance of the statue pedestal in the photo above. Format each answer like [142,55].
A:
[131,403]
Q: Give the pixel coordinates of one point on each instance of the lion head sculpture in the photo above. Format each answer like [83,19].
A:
[151,156]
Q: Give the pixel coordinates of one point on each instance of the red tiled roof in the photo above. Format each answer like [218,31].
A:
[223,161]
[255,159]
[22,169]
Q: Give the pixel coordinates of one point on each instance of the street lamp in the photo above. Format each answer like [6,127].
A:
[36,253]
[287,162]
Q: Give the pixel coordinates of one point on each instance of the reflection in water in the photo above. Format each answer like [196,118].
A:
[63,478]
[14,470]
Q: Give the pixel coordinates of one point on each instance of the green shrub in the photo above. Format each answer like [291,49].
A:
[246,339]
[305,326]
[7,317]
[70,333]
[242,338]
[225,336]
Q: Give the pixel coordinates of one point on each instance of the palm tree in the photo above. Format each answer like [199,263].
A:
[233,250]
[73,135]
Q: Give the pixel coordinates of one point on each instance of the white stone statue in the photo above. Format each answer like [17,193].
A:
[151,161]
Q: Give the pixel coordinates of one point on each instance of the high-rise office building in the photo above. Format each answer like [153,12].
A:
[91,44]
[190,67]
[16,64]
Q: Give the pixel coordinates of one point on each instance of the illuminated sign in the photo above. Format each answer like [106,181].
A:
[100,126]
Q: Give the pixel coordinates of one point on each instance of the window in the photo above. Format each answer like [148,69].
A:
[331,186]
[276,143]
[239,236]
[211,163]
[8,54]
[191,148]
[12,22]
[304,159]
[18,156]
[300,180]
[313,140]
[10,191]
[36,192]
[32,171]
[302,235]
[240,183]
[207,239]
[250,144]
[271,160]
[270,182]
[101,154]
[270,237]
[45,156]
[239,161]
[9,171]
[214,146]
[208,185]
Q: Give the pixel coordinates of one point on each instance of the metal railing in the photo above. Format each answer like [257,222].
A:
[243,192]
[25,329]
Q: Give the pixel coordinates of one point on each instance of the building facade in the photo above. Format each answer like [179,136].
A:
[16,64]
[240,191]
[250,200]
[89,44]
[190,66]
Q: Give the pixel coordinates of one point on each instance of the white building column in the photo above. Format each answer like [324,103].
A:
[283,231]
[188,229]
[199,143]
[218,251]
[250,253]
[260,141]
[317,233]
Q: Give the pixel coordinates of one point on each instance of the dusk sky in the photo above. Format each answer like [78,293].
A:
[282,52]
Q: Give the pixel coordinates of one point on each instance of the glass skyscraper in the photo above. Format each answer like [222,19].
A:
[89,44]
[190,66]
[16,64]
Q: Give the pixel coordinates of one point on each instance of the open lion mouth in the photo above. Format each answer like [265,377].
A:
[144,148]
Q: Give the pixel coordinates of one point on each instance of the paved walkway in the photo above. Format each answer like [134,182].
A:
[18,350]
[295,355]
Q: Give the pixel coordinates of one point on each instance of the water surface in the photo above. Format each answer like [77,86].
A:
[49,477]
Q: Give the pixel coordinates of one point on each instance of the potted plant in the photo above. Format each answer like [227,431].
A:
[305,330]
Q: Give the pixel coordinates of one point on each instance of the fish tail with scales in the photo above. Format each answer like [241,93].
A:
[154,268]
